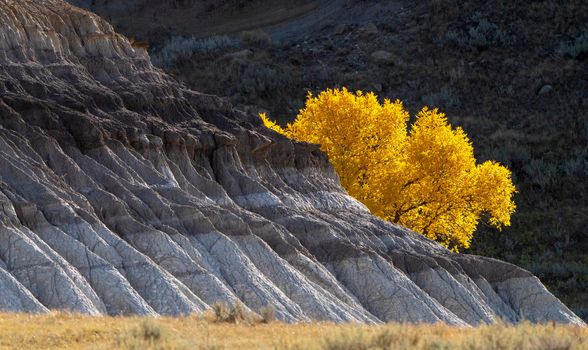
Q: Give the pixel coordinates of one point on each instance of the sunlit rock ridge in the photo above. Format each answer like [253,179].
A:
[124,192]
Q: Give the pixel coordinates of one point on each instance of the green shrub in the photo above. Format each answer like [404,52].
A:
[149,334]
[222,311]
[540,172]
[481,33]
[444,98]
[256,38]
[575,48]
[150,331]
[237,313]
[179,47]
[268,314]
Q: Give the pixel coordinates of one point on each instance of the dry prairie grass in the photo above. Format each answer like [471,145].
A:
[60,331]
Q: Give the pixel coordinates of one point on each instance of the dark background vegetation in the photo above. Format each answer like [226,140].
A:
[513,74]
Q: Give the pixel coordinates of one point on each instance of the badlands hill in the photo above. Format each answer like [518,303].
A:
[513,74]
[124,192]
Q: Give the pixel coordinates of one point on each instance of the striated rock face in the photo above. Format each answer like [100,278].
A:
[123,192]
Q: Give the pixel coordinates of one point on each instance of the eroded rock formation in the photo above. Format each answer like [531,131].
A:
[123,192]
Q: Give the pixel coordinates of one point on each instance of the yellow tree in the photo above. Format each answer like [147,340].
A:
[424,177]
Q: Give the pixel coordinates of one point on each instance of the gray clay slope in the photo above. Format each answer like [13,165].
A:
[123,192]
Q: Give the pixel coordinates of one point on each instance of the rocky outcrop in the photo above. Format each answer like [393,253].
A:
[123,192]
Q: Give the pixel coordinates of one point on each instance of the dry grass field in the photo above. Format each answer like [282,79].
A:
[68,331]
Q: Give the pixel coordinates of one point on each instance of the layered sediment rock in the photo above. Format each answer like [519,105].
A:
[123,192]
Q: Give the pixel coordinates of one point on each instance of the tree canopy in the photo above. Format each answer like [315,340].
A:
[423,176]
